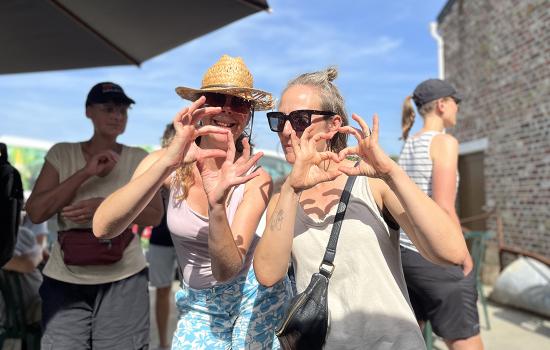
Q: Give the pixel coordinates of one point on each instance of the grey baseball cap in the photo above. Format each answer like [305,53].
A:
[432,89]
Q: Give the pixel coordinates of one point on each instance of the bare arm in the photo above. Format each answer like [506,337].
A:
[272,254]
[437,237]
[49,196]
[23,263]
[122,207]
[444,154]
[433,232]
[228,245]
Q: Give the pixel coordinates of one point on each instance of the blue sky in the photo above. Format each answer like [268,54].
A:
[381,48]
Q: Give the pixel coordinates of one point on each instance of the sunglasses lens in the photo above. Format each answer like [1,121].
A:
[300,120]
[215,100]
[237,104]
[240,105]
[276,121]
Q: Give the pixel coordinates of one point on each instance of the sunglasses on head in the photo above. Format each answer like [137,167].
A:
[299,120]
[236,104]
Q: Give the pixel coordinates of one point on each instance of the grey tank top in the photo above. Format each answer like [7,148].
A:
[368,300]
[189,231]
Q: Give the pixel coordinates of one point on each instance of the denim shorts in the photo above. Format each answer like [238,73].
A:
[240,314]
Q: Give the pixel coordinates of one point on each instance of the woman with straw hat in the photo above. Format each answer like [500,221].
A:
[216,200]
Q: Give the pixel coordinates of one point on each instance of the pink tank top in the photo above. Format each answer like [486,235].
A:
[189,231]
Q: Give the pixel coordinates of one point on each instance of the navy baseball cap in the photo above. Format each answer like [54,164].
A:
[107,92]
[433,89]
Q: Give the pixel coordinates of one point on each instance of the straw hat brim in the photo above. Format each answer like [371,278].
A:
[261,100]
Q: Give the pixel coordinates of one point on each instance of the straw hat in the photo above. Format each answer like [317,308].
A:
[229,76]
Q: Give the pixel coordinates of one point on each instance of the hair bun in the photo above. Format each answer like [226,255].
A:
[332,73]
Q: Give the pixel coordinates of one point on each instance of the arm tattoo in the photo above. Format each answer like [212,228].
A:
[276,221]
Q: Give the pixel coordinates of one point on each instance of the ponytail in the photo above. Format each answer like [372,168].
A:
[407,118]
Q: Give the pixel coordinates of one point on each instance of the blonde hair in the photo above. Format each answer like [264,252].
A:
[408,115]
[182,180]
[168,135]
[331,99]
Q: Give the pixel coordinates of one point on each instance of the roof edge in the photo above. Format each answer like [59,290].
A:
[445,11]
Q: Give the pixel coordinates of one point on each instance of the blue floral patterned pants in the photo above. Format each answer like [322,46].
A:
[239,315]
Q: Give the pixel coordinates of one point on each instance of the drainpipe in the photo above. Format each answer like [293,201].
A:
[440,57]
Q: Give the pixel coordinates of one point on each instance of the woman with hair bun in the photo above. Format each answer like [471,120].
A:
[367,295]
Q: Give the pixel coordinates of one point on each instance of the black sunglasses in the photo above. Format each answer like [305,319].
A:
[236,104]
[299,119]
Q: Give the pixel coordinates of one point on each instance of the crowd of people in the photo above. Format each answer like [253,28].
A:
[401,258]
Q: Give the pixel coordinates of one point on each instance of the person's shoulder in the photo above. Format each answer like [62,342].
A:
[66,145]
[259,181]
[263,174]
[445,139]
[136,151]
[63,147]
[443,144]
[135,154]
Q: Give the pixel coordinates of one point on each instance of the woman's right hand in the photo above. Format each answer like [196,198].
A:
[182,149]
[101,164]
[217,182]
[308,170]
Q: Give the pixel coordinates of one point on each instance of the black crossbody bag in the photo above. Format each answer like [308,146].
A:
[305,324]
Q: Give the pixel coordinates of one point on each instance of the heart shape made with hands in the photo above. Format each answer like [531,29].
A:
[106,164]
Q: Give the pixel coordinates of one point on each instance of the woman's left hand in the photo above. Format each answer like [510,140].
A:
[82,211]
[376,163]
[218,182]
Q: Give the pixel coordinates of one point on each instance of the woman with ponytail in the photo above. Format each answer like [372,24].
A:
[444,295]
[367,295]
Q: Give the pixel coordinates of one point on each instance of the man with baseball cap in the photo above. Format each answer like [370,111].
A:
[108,92]
[95,293]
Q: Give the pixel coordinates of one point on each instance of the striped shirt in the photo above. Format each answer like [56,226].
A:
[416,161]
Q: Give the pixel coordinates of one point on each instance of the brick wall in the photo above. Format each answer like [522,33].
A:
[497,53]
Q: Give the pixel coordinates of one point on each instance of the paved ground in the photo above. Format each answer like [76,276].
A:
[511,329]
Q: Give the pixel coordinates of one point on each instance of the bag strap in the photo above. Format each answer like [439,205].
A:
[327,267]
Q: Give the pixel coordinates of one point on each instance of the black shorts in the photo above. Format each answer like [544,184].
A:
[442,295]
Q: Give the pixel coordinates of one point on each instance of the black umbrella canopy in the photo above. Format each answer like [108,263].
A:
[40,35]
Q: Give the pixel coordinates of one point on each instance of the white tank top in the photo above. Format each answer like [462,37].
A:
[415,159]
[368,300]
